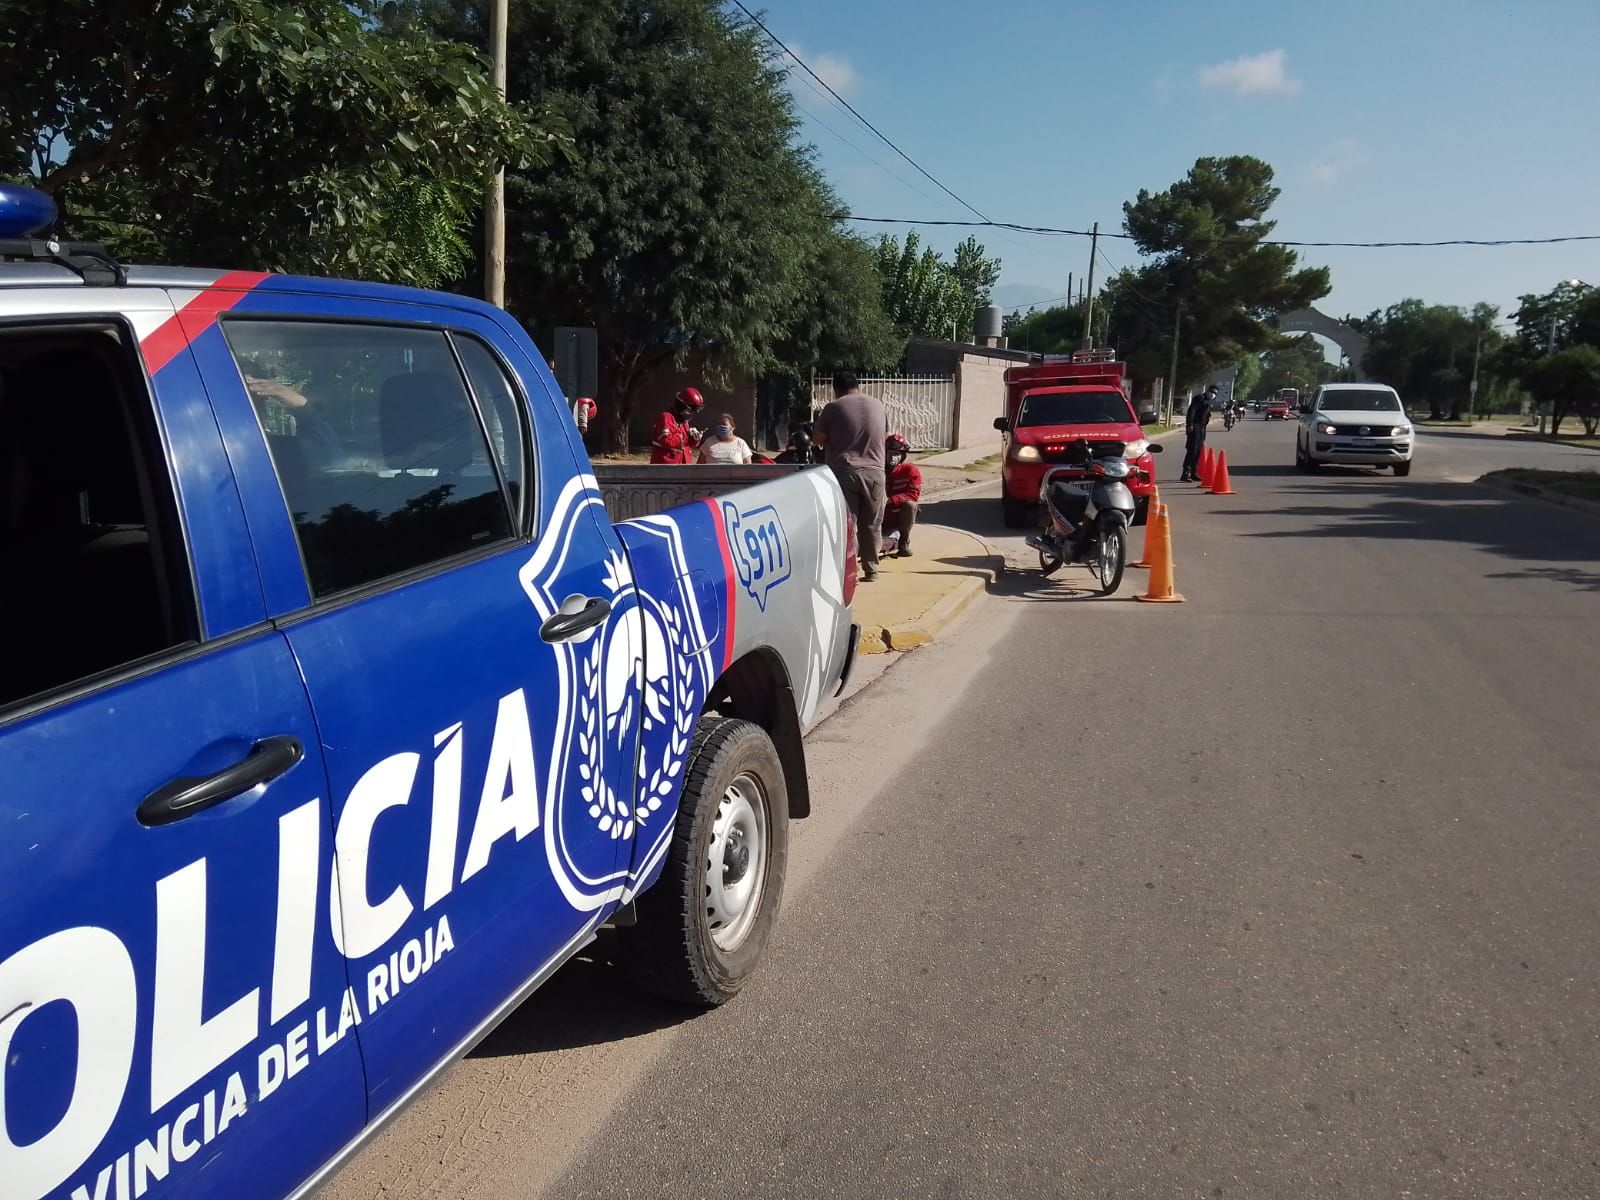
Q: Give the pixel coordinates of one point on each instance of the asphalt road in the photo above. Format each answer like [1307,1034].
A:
[1289,890]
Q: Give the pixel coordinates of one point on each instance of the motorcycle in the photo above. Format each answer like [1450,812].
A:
[1088,509]
[1228,418]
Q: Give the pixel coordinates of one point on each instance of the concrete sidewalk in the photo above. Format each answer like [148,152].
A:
[987,448]
[913,599]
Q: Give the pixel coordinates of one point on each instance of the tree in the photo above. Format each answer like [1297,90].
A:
[1426,352]
[929,297]
[841,321]
[1249,374]
[1054,330]
[1567,383]
[1297,362]
[256,133]
[974,274]
[1208,267]
[691,225]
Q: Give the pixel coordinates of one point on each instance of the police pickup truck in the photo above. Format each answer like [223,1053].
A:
[335,714]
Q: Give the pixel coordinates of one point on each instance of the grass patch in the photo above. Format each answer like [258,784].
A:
[983,464]
[1566,439]
[1584,485]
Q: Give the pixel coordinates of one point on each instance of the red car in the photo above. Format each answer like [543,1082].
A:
[1053,403]
[1285,401]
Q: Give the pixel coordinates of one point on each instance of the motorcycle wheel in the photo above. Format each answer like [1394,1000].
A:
[1113,559]
[1049,564]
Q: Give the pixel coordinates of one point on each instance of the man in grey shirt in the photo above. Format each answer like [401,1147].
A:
[851,431]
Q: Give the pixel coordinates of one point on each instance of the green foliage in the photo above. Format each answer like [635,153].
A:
[256,133]
[1568,314]
[690,224]
[1055,330]
[1567,383]
[1425,352]
[1247,378]
[1203,240]
[840,319]
[1298,363]
[927,296]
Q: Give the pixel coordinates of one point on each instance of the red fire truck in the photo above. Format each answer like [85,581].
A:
[1051,403]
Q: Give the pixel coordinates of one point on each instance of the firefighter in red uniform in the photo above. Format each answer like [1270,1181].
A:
[673,439]
[903,488]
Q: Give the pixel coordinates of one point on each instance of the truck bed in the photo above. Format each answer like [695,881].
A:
[633,490]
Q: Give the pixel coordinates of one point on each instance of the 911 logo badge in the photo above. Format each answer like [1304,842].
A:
[627,695]
[760,549]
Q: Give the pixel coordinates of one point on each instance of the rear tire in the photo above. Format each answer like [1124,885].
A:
[1015,513]
[1402,468]
[703,926]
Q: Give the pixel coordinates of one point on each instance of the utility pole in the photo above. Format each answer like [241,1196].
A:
[1088,308]
[494,208]
[1071,295]
[1172,372]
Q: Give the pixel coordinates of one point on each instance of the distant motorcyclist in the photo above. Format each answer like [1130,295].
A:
[674,440]
[1194,429]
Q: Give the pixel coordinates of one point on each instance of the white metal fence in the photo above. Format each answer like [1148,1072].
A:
[921,407]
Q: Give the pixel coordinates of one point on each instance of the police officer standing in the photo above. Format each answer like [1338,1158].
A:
[1194,428]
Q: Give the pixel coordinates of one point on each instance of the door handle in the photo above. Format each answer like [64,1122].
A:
[576,614]
[189,794]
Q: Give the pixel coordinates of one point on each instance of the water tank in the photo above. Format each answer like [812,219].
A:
[989,322]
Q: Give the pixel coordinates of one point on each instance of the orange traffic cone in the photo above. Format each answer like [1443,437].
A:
[1220,484]
[1157,512]
[1207,465]
[1161,590]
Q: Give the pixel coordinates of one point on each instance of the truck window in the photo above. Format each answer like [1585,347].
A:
[382,457]
[498,401]
[95,571]
[1075,408]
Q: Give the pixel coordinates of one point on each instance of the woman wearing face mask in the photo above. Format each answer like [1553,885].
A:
[723,445]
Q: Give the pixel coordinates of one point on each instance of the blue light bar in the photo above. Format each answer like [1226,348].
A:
[24,211]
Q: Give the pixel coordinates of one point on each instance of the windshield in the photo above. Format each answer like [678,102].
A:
[1074,408]
[1361,400]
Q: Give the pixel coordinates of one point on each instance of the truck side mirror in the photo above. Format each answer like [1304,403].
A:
[1002,424]
[1156,448]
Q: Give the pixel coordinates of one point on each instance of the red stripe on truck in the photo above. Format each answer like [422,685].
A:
[174,334]
[727,579]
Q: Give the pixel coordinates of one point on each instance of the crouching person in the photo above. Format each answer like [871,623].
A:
[903,491]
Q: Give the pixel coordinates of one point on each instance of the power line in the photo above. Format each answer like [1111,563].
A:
[739,4]
[1049,231]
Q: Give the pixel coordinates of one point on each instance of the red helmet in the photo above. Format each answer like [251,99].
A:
[692,397]
[895,444]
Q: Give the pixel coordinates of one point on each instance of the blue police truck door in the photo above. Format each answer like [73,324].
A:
[170,995]
[425,532]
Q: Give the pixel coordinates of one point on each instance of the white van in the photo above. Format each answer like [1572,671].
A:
[1354,424]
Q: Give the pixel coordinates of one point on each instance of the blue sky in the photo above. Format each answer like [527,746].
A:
[1400,120]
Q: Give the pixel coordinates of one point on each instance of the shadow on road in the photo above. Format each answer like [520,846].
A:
[1588,581]
[1346,502]
[1422,510]
[588,1002]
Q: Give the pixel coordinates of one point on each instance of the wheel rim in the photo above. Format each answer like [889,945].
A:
[1048,563]
[1110,557]
[736,862]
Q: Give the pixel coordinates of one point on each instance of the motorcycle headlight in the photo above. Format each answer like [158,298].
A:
[1325,428]
[1027,454]
[1135,448]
